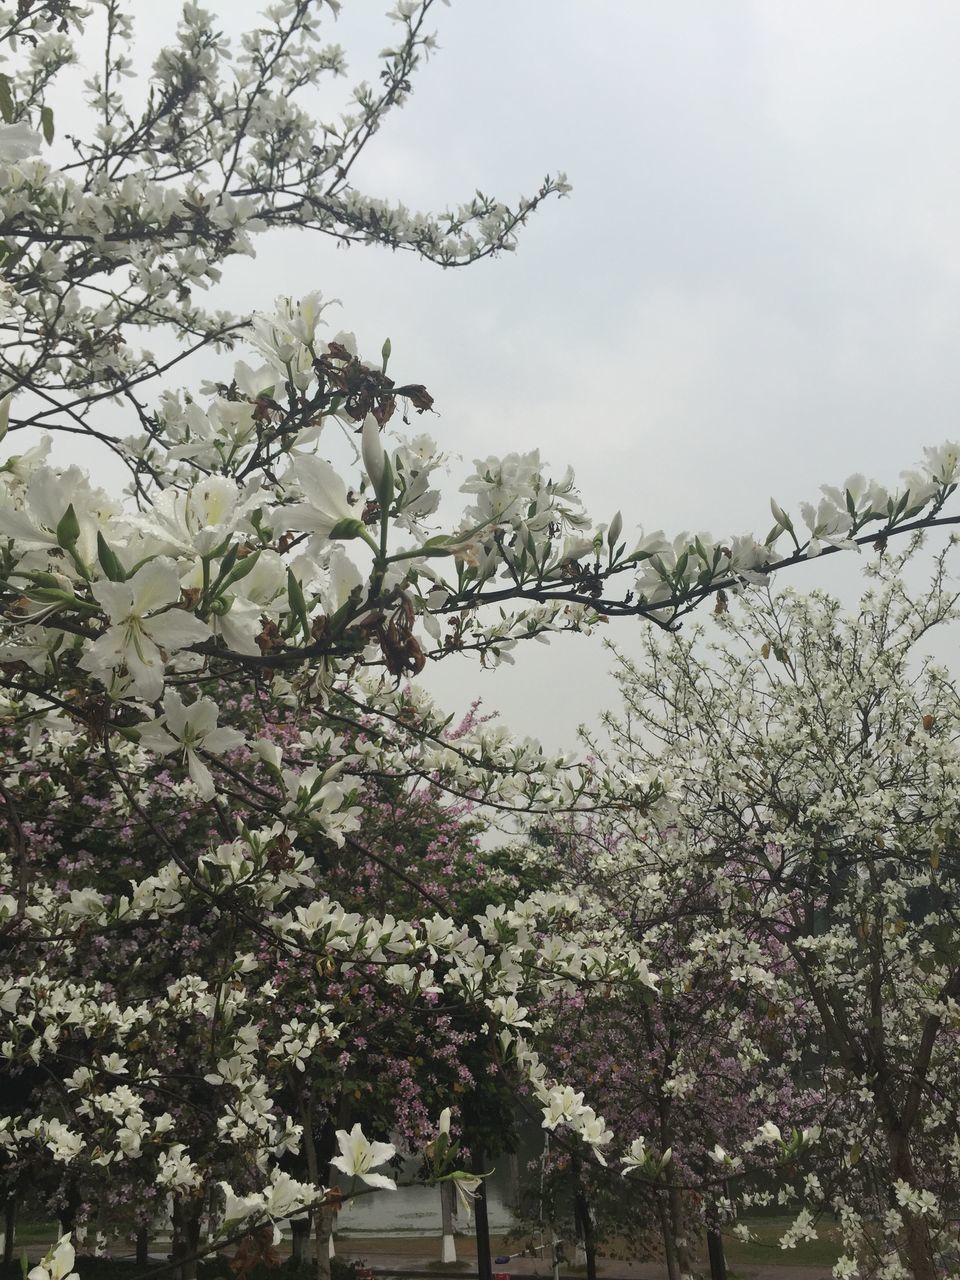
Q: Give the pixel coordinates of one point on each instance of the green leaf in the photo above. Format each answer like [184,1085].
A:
[6,100]
[109,562]
[46,124]
[298,603]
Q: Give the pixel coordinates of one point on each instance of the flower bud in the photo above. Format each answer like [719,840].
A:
[375,461]
[68,530]
[781,517]
[615,530]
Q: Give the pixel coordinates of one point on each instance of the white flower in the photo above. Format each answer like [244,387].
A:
[358,1156]
[238,1208]
[44,499]
[326,502]
[593,1130]
[57,1263]
[248,600]
[845,1268]
[510,1013]
[197,521]
[636,1157]
[176,1169]
[17,141]
[84,902]
[141,622]
[562,1106]
[190,729]
[943,462]
[769,1132]
[63,1142]
[719,1156]
[466,1186]
[286,1198]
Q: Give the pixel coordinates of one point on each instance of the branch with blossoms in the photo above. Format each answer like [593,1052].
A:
[141,216]
[255,550]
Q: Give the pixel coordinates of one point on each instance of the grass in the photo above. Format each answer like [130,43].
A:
[765,1249]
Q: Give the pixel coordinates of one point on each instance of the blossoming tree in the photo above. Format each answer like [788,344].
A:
[280,541]
[814,763]
[395,1056]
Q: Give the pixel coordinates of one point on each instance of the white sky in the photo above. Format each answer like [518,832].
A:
[752,290]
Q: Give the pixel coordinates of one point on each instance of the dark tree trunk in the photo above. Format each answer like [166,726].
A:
[718,1263]
[68,1213]
[300,1246]
[584,1229]
[186,1236]
[9,1228]
[669,1244]
[484,1260]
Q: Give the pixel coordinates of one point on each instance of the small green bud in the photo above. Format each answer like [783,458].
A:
[68,530]
[347,529]
[109,561]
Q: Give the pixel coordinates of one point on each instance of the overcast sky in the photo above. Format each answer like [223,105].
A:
[752,290]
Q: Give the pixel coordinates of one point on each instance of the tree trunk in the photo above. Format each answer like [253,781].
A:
[186,1236]
[918,1248]
[678,1221]
[71,1205]
[322,1237]
[300,1244]
[718,1263]
[916,1237]
[143,1246]
[448,1245]
[9,1228]
[484,1260]
[513,1168]
[670,1248]
[584,1229]
[669,1244]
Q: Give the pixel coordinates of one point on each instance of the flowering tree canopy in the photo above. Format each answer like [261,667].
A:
[280,554]
[807,845]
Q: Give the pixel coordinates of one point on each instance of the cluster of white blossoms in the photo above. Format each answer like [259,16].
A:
[283,558]
[798,879]
[279,561]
